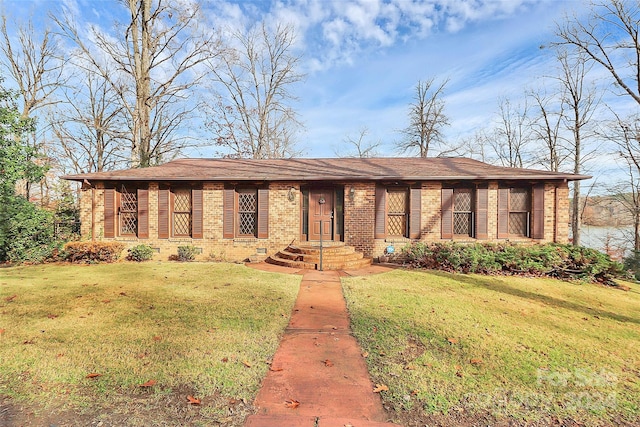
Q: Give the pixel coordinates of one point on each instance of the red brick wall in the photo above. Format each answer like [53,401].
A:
[284,220]
[359,217]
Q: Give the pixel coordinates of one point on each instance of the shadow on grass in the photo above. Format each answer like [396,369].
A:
[499,286]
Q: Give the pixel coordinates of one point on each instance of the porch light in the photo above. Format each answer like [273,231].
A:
[352,194]
[291,195]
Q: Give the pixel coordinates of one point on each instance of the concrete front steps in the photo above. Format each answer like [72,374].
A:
[335,256]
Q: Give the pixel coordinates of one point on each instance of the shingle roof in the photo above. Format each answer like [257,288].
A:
[327,169]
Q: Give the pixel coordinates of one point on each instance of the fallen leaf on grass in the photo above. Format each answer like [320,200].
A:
[328,363]
[11,298]
[452,340]
[476,361]
[149,383]
[365,354]
[157,338]
[106,301]
[52,316]
[380,387]
[2,331]
[225,359]
[291,403]
[409,368]
[93,375]
[247,364]
[192,400]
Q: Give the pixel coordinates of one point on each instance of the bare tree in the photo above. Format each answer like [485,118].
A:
[473,146]
[610,37]
[34,65]
[512,134]
[626,135]
[90,128]
[33,62]
[358,146]
[253,117]
[580,102]
[427,119]
[546,127]
[159,48]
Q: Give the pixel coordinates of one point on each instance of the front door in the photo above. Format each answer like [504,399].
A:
[320,213]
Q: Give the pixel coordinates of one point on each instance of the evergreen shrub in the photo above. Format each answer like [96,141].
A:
[140,253]
[553,260]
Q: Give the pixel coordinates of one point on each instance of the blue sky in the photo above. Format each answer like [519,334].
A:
[487,50]
[363,58]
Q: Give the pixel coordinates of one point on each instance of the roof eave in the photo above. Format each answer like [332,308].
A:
[569,177]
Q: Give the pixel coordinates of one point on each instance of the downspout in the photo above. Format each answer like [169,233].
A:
[93,214]
[555,215]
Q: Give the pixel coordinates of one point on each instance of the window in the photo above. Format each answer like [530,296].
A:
[398,212]
[519,211]
[245,212]
[128,213]
[304,212]
[182,212]
[462,212]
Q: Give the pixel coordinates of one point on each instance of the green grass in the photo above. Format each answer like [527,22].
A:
[188,326]
[515,348]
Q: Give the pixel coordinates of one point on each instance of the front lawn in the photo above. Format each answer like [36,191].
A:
[475,350]
[204,330]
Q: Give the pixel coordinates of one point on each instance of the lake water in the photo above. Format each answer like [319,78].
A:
[617,241]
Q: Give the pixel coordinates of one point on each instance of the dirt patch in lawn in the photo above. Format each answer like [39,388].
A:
[133,410]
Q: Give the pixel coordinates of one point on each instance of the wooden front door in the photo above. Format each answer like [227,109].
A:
[321,212]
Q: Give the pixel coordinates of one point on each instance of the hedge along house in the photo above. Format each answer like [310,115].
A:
[238,209]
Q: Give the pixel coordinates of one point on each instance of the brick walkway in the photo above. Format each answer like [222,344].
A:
[318,364]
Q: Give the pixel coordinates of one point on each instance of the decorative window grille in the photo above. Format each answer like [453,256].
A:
[247,212]
[128,212]
[182,212]
[463,212]
[305,211]
[397,212]
[519,211]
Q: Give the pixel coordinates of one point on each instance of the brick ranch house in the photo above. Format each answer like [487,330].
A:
[238,209]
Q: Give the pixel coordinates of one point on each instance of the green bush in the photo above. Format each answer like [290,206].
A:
[187,253]
[554,260]
[140,253]
[93,252]
[632,264]
[26,234]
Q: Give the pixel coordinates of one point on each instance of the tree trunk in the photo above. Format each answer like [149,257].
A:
[575,217]
[636,232]
[140,15]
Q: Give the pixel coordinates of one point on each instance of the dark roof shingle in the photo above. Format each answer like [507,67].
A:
[327,169]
